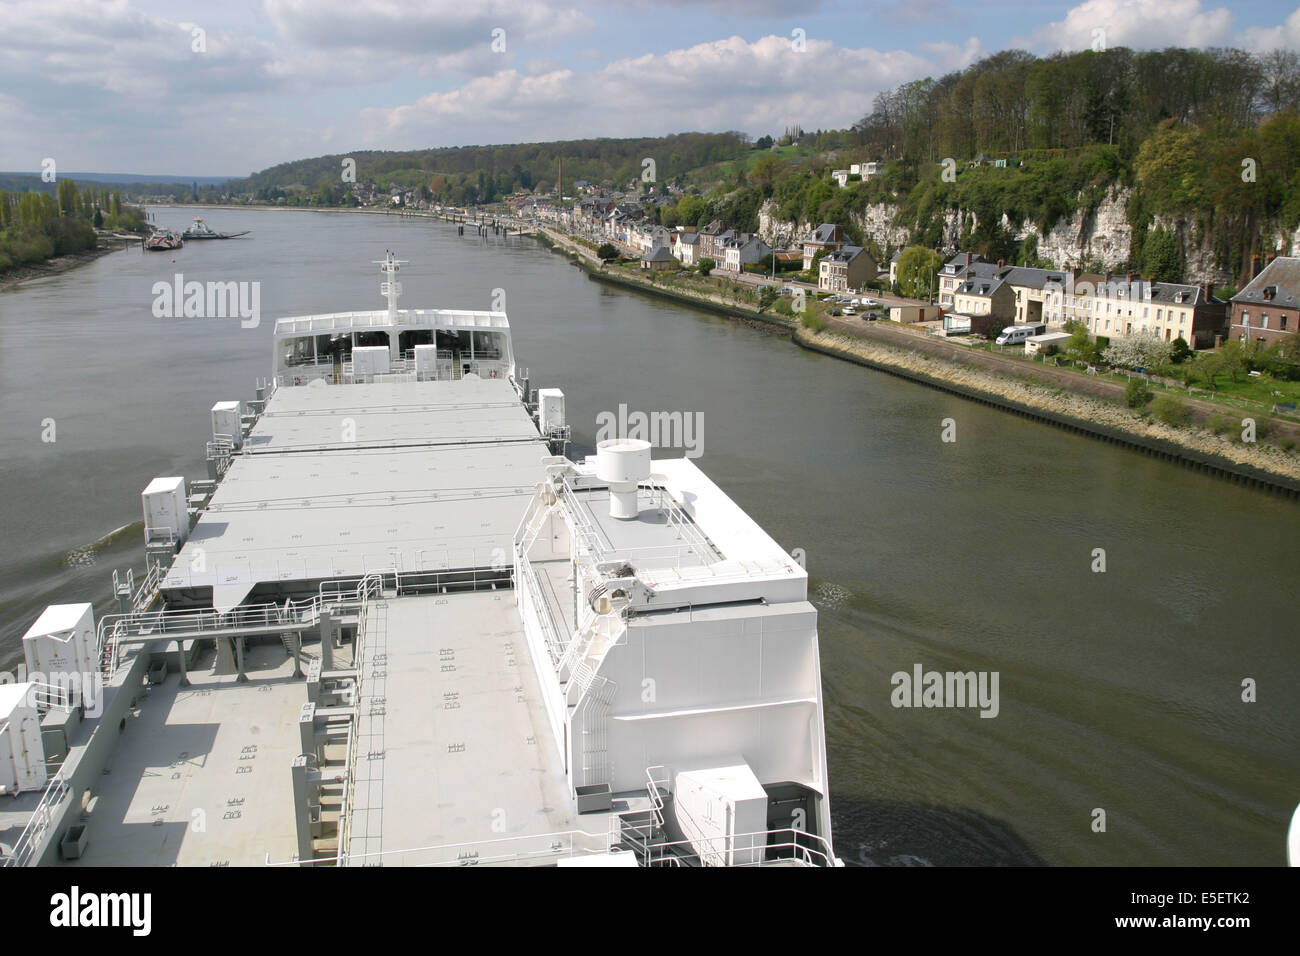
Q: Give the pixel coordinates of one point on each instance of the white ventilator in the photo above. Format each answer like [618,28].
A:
[623,462]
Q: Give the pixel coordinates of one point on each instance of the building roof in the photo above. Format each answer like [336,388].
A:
[844,255]
[958,262]
[980,286]
[1283,276]
[658,254]
[826,232]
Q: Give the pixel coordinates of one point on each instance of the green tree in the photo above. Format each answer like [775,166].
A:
[1207,366]
[1137,393]
[916,271]
[1162,257]
[706,265]
[606,252]
[68,199]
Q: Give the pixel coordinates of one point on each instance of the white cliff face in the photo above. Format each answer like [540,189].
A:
[877,222]
[1100,237]
[779,233]
[1199,263]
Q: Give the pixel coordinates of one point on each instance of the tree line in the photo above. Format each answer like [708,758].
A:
[37,225]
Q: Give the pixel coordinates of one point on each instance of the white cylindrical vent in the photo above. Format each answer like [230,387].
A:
[623,462]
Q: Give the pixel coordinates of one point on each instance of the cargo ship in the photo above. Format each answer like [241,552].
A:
[396,624]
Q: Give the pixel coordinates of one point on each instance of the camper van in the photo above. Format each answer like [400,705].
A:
[1016,334]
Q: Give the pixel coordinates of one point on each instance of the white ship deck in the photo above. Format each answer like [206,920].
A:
[456,759]
[339,481]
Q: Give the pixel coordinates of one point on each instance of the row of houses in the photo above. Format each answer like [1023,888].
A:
[1110,305]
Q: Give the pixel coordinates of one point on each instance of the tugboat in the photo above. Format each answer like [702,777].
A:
[163,240]
[201,230]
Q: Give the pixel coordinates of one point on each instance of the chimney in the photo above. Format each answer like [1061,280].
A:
[1207,291]
[1254,266]
[1001,263]
[1132,277]
[1076,272]
[968,258]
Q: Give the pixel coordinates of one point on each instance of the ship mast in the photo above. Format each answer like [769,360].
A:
[390,287]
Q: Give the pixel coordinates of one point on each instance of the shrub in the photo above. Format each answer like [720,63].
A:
[1170,410]
[1221,424]
[814,322]
[1137,393]
[606,252]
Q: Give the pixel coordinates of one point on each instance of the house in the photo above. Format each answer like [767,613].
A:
[709,239]
[742,250]
[893,267]
[957,270]
[827,236]
[684,247]
[647,235]
[1268,309]
[846,269]
[866,170]
[841,176]
[985,297]
[658,259]
[713,241]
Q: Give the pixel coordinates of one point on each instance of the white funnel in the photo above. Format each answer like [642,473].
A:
[623,462]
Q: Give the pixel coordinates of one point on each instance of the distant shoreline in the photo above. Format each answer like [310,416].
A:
[376,212]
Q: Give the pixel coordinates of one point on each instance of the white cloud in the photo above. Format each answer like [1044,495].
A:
[1141,24]
[1284,37]
[423,28]
[756,86]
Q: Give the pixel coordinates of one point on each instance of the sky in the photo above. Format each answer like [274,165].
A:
[212,89]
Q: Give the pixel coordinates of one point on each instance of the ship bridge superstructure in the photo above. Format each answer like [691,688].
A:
[392,344]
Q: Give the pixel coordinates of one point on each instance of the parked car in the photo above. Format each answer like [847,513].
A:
[835,312]
[849,310]
[871,316]
[870,301]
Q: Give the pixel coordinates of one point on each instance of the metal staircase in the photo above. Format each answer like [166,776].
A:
[642,829]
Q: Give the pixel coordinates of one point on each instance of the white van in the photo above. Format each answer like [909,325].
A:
[1016,334]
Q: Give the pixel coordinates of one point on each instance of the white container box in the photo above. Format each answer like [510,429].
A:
[722,811]
[369,361]
[165,510]
[426,363]
[550,408]
[226,422]
[22,758]
[61,647]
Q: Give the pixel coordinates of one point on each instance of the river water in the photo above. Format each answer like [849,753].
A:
[1119,691]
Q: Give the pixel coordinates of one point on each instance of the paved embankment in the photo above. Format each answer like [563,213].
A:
[1042,397]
